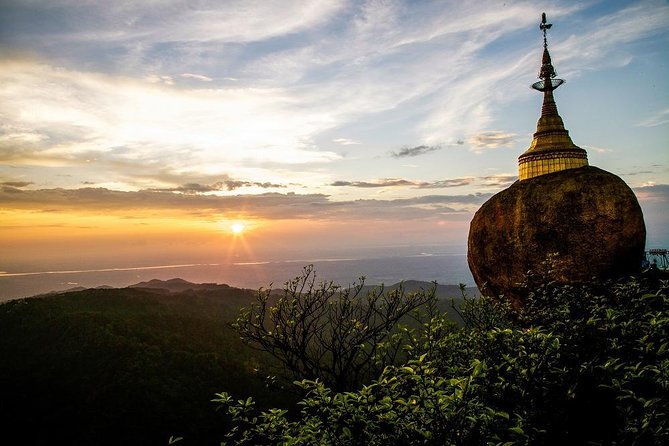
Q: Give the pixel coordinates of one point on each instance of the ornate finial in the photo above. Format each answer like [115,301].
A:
[544,26]
[547,73]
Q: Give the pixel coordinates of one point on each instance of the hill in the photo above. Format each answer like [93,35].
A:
[130,365]
[178,285]
[123,366]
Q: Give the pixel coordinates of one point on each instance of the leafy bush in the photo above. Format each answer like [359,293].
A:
[585,364]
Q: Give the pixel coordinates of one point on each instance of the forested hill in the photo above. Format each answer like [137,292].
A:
[123,366]
[129,366]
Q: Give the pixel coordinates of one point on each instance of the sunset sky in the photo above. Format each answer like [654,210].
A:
[139,132]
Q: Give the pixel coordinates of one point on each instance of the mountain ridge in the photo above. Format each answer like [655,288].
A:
[179,285]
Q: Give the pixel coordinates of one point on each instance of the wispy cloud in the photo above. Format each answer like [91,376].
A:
[596,149]
[606,42]
[141,93]
[345,141]
[494,181]
[401,182]
[198,77]
[491,140]
[638,172]
[178,21]
[160,79]
[72,117]
[17,183]
[415,151]
[387,182]
[229,185]
[659,118]
[439,184]
[498,180]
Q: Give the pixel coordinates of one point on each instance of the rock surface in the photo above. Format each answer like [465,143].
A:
[589,218]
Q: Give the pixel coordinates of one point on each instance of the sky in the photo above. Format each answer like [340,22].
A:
[138,133]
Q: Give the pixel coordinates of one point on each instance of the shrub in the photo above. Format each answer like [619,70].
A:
[586,364]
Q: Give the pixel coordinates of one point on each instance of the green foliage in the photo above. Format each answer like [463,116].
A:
[614,347]
[342,336]
[576,365]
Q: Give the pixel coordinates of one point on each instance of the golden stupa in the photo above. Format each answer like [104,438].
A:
[552,149]
[563,219]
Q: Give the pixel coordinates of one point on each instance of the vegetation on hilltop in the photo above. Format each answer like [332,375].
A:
[130,366]
[586,364]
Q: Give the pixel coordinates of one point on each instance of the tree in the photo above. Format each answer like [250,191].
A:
[341,336]
[578,364]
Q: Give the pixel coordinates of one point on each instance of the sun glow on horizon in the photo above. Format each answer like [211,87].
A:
[237,228]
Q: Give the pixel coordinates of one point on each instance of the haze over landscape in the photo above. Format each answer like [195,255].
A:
[136,135]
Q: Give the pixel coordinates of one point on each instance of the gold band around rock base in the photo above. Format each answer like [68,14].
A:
[549,162]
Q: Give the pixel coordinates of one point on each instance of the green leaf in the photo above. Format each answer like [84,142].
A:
[517,430]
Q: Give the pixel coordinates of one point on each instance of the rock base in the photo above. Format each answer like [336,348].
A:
[588,220]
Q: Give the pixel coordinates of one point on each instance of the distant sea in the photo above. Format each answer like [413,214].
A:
[444,265]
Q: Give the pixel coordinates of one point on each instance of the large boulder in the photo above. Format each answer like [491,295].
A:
[587,220]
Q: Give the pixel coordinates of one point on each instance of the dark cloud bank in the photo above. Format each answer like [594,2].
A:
[267,205]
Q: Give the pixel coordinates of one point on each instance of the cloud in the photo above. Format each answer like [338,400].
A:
[415,151]
[229,185]
[390,56]
[160,79]
[191,188]
[657,193]
[502,180]
[400,182]
[425,71]
[638,172]
[9,137]
[491,140]
[345,141]
[17,183]
[152,23]
[199,77]
[596,149]
[606,42]
[71,116]
[659,118]
[10,190]
[498,180]
[269,205]
[386,182]
[439,184]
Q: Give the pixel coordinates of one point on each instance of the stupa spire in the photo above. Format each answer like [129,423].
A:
[552,149]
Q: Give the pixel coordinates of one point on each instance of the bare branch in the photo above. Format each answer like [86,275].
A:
[341,336]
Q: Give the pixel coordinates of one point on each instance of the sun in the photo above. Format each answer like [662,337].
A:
[237,228]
